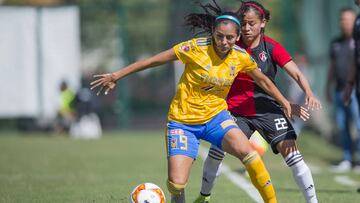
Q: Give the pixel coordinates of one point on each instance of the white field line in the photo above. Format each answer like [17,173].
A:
[235,178]
[345,180]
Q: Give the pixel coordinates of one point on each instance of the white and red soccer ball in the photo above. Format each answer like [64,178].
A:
[147,193]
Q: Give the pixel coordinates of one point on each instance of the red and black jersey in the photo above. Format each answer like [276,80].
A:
[245,97]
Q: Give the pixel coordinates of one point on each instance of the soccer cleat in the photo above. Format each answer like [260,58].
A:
[202,199]
[343,166]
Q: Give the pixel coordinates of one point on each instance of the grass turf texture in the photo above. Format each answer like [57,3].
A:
[44,168]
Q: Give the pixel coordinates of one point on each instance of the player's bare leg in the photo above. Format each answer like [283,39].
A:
[300,170]
[236,143]
[179,167]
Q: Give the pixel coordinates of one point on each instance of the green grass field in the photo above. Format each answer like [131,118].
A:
[44,168]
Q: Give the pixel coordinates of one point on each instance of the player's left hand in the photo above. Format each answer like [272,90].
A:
[106,81]
[312,103]
[299,111]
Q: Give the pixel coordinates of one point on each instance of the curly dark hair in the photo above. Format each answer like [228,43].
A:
[207,21]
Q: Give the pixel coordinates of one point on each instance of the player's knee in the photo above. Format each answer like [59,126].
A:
[238,150]
[236,143]
[243,151]
[285,147]
[175,188]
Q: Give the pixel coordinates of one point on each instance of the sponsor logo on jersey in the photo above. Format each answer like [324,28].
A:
[263,56]
[215,80]
[177,132]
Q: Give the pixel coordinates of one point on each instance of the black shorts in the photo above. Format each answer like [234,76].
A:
[273,127]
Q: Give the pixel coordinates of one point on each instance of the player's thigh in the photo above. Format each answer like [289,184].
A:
[245,126]
[236,143]
[182,149]
[275,127]
[217,127]
[179,167]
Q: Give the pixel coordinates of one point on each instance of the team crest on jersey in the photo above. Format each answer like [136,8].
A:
[185,47]
[173,142]
[263,56]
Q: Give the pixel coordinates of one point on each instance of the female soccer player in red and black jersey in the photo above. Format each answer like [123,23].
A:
[256,110]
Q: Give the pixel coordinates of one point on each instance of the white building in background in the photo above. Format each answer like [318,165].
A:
[39,48]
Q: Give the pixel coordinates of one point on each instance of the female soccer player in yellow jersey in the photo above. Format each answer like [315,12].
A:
[199,110]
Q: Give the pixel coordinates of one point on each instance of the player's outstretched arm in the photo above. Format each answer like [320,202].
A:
[107,81]
[310,100]
[265,83]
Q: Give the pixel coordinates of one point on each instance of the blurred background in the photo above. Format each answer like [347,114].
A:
[48,42]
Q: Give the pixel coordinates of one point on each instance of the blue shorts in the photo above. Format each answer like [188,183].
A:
[184,139]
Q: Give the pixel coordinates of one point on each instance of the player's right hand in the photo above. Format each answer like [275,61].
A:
[300,111]
[106,81]
[312,102]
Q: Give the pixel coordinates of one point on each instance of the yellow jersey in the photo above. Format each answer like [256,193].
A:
[206,80]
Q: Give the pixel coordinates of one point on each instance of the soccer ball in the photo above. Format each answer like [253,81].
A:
[147,193]
[258,143]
